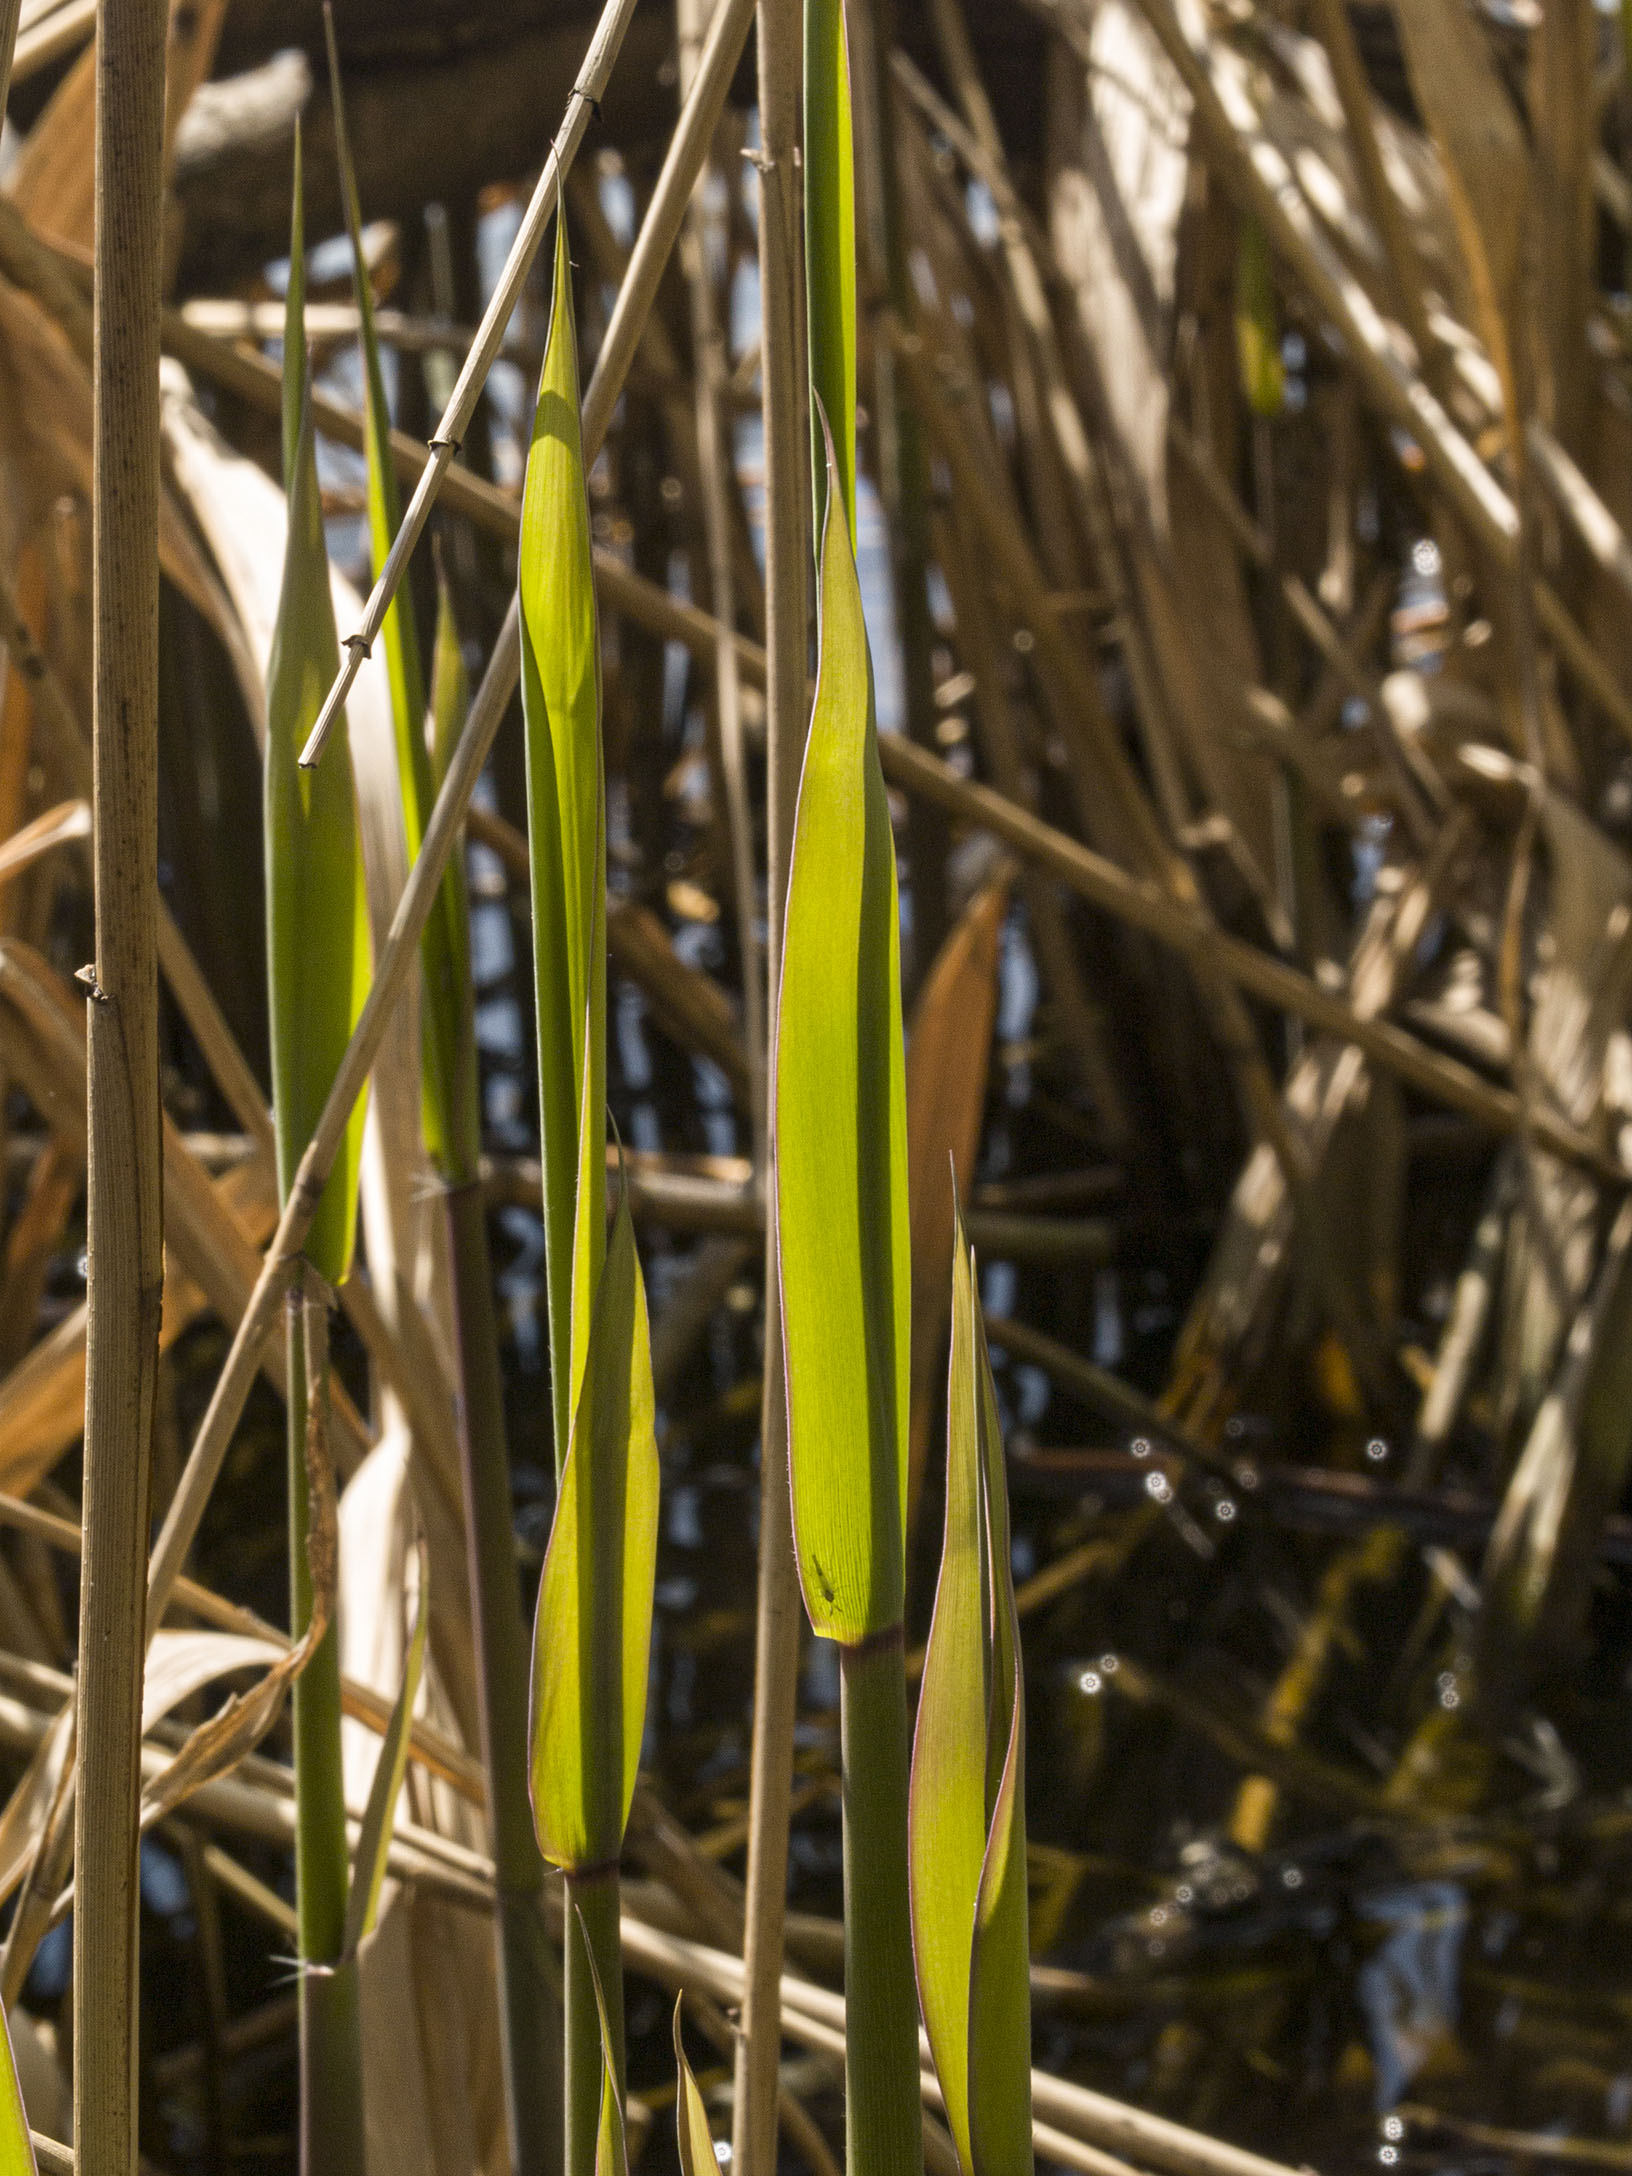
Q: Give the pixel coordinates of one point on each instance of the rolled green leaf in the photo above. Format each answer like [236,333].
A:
[841,1145]
[374,1837]
[16,2144]
[830,256]
[561,705]
[592,1637]
[697,2154]
[450,1118]
[317,938]
[967,1808]
[611,2141]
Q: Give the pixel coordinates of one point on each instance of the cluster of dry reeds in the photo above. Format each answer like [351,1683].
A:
[1241,395]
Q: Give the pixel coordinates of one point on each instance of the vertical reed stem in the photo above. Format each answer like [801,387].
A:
[529,2021]
[883,2126]
[592,1913]
[780,1611]
[125,1247]
[331,2053]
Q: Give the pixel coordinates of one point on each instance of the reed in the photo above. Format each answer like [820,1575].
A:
[593,1629]
[451,1119]
[125,1267]
[317,968]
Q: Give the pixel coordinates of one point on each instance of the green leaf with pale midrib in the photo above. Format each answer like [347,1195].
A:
[592,1637]
[561,706]
[840,1115]
[967,1843]
[317,918]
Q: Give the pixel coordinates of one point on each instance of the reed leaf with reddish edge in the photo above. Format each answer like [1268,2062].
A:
[317,969]
[845,1278]
[967,1810]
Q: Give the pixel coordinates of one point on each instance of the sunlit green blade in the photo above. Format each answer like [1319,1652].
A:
[1000,1969]
[561,703]
[967,1839]
[593,1631]
[697,2155]
[947,1809]
[1000,1982]
[611,2143]
[830,252]
[317,918]
[374,1837]
[840,1109]
[16,2145]
[445,964]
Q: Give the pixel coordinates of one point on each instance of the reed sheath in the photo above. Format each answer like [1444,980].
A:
[592,1913]
[883,2130]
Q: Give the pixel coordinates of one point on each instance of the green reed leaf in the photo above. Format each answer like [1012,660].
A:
[841,1171]
[317,916]
[379,1815]
[830,253]
[16,2143]
[592,1635]
[966,1828]
[450,1123]
[611,2140]
[561,705]
[697,2154]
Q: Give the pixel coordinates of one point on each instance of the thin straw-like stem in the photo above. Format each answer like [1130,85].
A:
[665,214]
[779,1609]
[450,432]
[125,1213]
[714,464]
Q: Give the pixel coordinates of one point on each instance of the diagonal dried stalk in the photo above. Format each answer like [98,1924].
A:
[585,98]
[713,457]
[687,150]
[125,1246]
